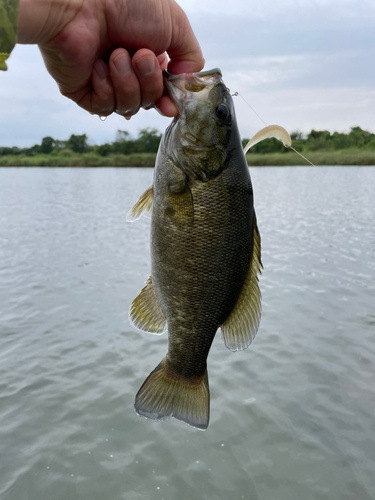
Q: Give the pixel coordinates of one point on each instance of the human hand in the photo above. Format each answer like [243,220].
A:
[108,55]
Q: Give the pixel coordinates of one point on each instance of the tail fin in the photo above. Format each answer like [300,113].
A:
[165,394]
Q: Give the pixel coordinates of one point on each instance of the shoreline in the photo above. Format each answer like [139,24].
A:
[357,157]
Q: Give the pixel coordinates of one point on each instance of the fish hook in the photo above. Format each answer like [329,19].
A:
[233,95]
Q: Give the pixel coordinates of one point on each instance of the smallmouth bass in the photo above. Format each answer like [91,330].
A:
[205,248]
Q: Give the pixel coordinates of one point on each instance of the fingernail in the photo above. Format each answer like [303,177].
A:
[122,64]
[101,68]
[146,65]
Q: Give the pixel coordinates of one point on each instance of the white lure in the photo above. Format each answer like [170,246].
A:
[267,132]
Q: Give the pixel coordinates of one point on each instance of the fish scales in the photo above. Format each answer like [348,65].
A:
[199,263]
[205,249]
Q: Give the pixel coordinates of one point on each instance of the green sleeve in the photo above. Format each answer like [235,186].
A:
[8,29]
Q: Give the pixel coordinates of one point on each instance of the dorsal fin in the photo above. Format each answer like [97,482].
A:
[145,313]
[240,328]
[143,205]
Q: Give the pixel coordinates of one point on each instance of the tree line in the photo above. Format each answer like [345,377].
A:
[148,142]
[318,140]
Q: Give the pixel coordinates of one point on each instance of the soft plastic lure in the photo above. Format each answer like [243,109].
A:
[267,132]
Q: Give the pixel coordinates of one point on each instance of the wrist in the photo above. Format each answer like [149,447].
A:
[41,20]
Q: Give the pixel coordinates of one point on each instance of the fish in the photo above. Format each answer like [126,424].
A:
[205,248]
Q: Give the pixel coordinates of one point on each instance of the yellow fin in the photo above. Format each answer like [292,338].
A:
[143,205]
[145,313]
[240,328]
[165,394]
[267,132]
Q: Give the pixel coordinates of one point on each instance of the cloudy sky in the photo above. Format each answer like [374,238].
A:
[301,64]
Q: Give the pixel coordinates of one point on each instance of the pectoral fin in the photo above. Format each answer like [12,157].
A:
[180,199]
[240,328]
[142,206]
[145,313]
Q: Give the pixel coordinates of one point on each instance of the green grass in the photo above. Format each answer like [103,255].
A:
[79,160]
[342,157]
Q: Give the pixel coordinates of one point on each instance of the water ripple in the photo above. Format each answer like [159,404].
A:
[292,417]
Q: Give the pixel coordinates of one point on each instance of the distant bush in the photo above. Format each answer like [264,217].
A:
[66,153]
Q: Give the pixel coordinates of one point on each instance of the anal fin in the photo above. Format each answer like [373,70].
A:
[240,328]
[145,313]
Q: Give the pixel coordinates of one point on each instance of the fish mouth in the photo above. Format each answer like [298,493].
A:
[190,86]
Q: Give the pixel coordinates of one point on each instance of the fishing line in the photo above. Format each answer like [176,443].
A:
[252,109]
[291,147]
[261,119]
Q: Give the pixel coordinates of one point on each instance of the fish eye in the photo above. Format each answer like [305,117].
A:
[222,112]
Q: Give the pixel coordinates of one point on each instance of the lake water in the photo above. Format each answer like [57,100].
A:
[292,417]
